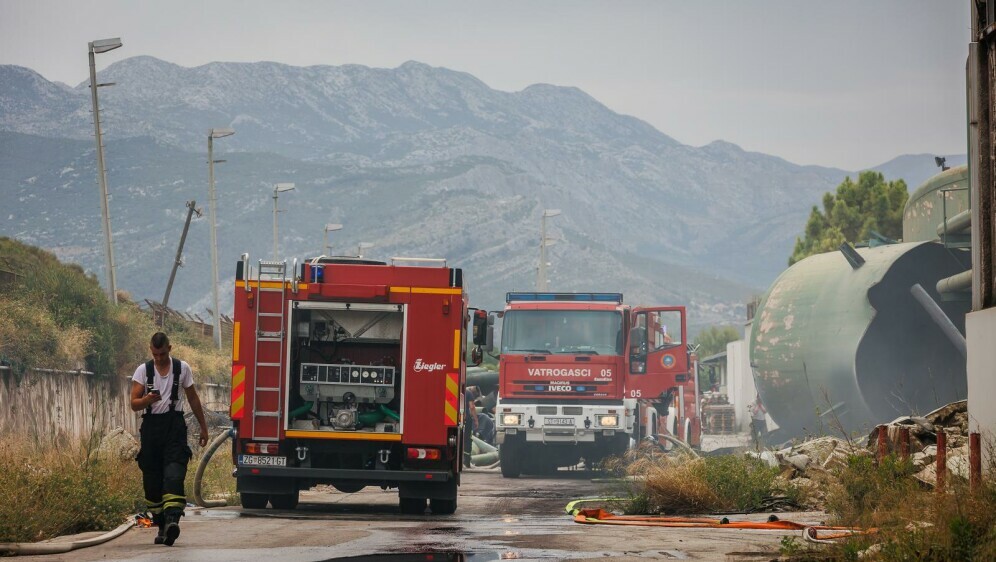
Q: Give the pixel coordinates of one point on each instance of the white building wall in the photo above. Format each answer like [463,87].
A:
[741,381]
[980,328]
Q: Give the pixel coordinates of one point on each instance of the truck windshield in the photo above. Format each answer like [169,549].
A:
[597,332]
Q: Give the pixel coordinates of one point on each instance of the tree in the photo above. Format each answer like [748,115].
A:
[713,340]
[857,209]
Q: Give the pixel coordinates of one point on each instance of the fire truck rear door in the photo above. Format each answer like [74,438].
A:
[657,351]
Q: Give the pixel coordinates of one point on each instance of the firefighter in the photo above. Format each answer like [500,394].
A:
[470,423]
[758,421]
[164,454]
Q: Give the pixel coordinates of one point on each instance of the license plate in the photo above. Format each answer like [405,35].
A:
[262,460]
[558,421]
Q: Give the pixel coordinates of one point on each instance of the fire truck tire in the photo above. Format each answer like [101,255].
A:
[284,501]
[441,506]
[412,506]
[253,501]
[510,456]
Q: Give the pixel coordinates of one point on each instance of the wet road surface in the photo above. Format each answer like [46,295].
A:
[497,519]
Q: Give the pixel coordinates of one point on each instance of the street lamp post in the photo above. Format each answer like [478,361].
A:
[362,246]
[330,227]
[97,47]
[212,200]
[544,242]
[278,188]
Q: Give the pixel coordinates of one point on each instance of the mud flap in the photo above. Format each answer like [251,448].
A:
[440,490]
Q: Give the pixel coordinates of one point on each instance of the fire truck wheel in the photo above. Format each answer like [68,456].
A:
[253,501]
[511,459]
[440,506]
[284,501]
[412,506]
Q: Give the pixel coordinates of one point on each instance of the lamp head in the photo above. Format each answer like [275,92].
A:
[282,187]
[219,133]
[104,45]
[551,212]
[331,227]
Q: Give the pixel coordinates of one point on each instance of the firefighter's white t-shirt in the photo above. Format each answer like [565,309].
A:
[165,385]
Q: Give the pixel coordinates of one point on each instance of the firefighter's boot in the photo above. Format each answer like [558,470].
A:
[157,520]
[171,526]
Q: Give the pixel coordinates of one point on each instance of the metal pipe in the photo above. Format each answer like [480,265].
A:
[956,224]
[974,460]
[179,251]
[942,458]
[882,448]
[940,319]
[955,283]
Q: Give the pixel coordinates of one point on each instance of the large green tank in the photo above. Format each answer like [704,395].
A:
[831,342]
[926,207]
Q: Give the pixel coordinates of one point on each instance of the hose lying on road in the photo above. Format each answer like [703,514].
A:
[809,532]
[25,548]
[198,498]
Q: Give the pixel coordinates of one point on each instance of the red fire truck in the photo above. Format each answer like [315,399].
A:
[349,372]
[581,375]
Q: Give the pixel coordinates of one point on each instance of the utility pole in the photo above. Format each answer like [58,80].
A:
[212,204]
[102,46]
[191,209]
[544,242]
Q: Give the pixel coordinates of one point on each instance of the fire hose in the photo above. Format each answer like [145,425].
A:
[26,548]
[811,533]
[212,447]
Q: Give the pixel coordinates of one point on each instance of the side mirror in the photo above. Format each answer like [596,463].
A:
[476,356]
[480,327]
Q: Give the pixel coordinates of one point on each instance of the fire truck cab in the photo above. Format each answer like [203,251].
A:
[349,372]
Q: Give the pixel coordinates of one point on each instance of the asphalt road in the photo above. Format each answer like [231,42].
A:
[497,519]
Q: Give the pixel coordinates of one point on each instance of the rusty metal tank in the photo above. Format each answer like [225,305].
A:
[944,194]
[835,346]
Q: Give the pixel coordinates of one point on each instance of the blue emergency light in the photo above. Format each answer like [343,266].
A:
[576,297]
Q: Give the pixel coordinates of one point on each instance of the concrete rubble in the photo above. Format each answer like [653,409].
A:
[808,464]
[117,444]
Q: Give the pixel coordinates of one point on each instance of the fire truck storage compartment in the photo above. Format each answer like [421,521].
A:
[346,367]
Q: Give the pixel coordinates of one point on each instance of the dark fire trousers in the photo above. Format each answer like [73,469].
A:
[163,459]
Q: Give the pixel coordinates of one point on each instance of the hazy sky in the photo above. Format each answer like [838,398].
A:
[847,83]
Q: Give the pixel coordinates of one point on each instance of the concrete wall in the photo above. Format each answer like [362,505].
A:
[46,404]
[981,333]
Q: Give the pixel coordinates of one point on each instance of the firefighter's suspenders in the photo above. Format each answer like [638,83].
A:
[150,373]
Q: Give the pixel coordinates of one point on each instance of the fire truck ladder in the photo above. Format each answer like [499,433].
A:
[270,343]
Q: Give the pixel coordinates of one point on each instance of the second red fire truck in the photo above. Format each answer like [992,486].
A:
[582,375]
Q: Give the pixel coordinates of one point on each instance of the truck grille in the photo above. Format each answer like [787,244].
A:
[573,410]
[546,410]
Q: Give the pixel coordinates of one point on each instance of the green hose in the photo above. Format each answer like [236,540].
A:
[367,419]
[390,413]
[304,409]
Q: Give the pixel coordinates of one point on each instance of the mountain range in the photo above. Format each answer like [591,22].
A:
[416,160]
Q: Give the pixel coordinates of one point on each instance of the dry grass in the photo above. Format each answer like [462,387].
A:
[679,483]
[52,489]
[915,522]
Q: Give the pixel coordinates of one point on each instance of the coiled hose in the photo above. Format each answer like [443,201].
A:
[205,458]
